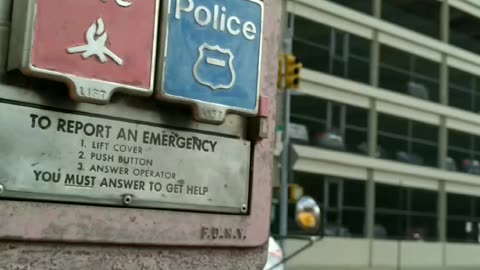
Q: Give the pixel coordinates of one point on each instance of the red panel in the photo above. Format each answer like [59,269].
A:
[62,24]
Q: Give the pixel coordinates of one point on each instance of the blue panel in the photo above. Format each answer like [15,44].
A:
[213,52]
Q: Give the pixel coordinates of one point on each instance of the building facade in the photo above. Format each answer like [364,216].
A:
[389,99]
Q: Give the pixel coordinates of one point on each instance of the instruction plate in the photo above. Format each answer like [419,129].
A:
[87,158]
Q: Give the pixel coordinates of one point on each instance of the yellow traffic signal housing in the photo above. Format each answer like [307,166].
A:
[292,72]
[295,191]
[281,64]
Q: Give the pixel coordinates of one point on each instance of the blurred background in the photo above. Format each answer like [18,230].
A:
[383,132]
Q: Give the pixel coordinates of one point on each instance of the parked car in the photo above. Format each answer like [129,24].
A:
[332,140]
[471,166]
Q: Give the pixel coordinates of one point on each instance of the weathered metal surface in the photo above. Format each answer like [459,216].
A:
[110,225]
[57,156]
[62,223]
[47,222]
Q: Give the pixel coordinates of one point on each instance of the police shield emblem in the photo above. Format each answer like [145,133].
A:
[214,67]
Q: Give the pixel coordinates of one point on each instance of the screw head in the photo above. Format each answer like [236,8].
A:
[244,208]
[127,199]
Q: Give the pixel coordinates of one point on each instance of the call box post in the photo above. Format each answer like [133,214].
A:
[137,183]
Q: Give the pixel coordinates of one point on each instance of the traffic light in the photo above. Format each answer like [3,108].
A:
[292,72]
[295,191]
[281,63]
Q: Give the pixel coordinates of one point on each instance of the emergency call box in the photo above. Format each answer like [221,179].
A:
[210,56]
[114,144]
[96,47]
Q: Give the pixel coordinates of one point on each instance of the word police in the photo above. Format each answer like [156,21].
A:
[219,20]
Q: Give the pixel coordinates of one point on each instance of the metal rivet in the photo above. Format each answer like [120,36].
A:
[127,199]
[244,208]
[1,188]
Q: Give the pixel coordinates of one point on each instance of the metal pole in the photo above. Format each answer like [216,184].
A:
[443,134]
[285,161]
[285,172]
